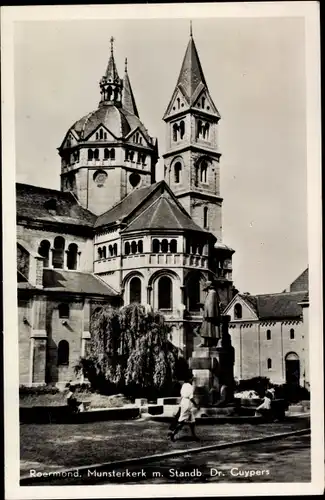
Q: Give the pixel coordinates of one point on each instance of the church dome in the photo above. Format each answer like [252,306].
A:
[116,120]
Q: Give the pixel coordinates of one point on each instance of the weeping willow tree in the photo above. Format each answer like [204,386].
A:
[130,352]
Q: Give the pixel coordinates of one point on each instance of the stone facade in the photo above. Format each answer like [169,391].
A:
[112,235]
[270,335]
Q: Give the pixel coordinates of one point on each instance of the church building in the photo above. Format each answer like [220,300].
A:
[112,234]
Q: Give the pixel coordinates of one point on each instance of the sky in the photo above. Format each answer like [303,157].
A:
[255,71]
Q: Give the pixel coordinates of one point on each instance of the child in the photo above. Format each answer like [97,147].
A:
[186,414]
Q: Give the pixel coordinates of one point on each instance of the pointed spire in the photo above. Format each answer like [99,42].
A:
[191,74]
[111,85]
[111,71]
[191,32]
[128,101]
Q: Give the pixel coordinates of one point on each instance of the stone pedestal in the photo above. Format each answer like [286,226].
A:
[213,369]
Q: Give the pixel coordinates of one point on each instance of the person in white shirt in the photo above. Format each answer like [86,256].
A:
[187,406]
[265,408]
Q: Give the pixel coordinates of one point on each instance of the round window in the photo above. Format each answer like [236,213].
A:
[100,177]
[134,179]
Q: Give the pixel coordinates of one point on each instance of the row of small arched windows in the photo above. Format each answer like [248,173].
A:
[104,252]
[164,246]
[137,138]
[133,247]
[194,247]
[58,252]
[201,172]
[203,130]
[130,156]
[178,131]
[101,134]
[93,154]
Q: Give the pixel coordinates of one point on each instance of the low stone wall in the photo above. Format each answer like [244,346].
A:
[62,414]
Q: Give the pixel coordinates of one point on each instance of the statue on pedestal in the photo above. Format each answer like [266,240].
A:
[210,330]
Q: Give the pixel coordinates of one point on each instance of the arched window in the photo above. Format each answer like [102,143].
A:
[131,156]
[63,311]
[199,128]
[268,334]
[58,252]
[115,249]
[110,249]
[206,131]
[96,154]
[101,133]
[165,299]
[99,251]
[96,135]
[106,154]
[178,102]
[193,293]
[292,334]
[175,130]
[105,135]
[182,129]
[203,171]
[173,246]
[134,247]
[127,248]
[104,253]
[203,102]
[44,251]
[90,155]
[164,246]
[155,246]
[135,290]
[112,154]
[177,171]
[205,217]
[238,311]
[187,246]
[72,256]
[63,352]
[269,363]
[140,246]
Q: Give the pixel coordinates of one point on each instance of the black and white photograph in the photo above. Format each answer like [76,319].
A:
[162,250]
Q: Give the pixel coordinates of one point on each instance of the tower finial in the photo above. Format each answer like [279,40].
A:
[191,32]
[126,65]
[112,39]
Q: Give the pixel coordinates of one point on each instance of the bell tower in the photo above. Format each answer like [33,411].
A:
[192,158]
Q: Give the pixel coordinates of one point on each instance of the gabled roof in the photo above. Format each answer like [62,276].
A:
[300,283]
[126,206]
[163,213]
[274,305]
[75,282]
[37,203]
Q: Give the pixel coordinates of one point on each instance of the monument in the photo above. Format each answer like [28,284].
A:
[212,362]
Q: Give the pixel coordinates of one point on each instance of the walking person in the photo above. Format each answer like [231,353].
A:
[187,406]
